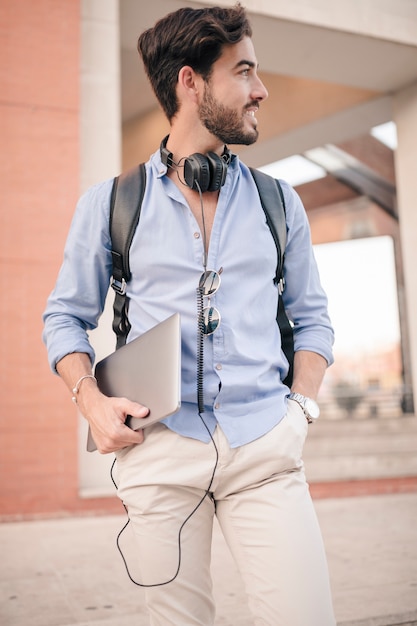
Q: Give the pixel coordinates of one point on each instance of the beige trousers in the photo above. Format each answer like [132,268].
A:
[262,502]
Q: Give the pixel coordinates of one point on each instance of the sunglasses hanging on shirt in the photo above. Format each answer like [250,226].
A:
[209,316]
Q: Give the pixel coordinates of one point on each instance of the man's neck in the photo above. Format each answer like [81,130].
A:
[183,144]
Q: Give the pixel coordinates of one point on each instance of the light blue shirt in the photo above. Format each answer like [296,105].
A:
[243,361]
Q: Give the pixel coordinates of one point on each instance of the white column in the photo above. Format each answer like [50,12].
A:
[100,91]
[100,158]
[405,117]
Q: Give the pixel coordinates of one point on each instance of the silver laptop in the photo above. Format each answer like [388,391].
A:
[146,370]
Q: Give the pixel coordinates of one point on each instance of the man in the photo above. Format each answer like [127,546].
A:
[201,212]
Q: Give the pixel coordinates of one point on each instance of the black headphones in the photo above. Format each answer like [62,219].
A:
[204,171]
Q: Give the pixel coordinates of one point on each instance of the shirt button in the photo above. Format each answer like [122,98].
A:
[217,405]
[196,235]
[218,366]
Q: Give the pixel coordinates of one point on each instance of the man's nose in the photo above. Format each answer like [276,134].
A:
[260,92]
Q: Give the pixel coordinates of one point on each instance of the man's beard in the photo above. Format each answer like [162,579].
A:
[224,123]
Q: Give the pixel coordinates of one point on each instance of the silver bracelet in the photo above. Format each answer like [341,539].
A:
[76,389]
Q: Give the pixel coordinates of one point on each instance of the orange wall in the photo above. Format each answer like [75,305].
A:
[39,130]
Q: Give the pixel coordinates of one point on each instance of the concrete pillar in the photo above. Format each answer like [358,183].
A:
[100,91]
[405,117]
[100,159]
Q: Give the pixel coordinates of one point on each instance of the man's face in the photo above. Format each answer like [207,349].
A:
[232,95]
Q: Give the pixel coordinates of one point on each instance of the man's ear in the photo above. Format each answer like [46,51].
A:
[189,82]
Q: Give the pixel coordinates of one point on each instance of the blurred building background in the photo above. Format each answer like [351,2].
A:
[75,108]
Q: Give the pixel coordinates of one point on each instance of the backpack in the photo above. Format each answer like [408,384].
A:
[125,206]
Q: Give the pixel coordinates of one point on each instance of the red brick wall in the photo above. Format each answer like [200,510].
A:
[39,161]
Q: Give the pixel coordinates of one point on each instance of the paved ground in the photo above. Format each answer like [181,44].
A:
[67,572]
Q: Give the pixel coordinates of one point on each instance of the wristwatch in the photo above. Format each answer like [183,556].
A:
[310,407]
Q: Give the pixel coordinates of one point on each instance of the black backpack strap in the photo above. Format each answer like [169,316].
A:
[272,200]
[273,204]
[125,205]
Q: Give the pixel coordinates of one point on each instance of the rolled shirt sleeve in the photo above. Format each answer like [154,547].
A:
[305,301]
[77,301]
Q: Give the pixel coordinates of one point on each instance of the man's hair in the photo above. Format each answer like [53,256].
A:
[193,37]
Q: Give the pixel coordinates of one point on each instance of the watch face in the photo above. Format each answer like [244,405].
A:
[312,408]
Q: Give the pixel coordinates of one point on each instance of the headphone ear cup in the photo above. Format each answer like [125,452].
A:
[197,170]
[218,171]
